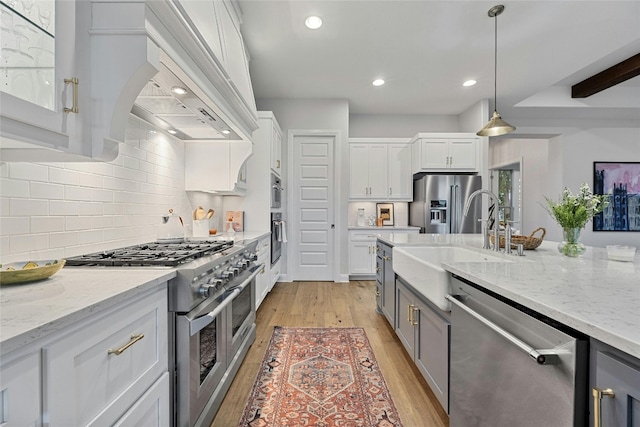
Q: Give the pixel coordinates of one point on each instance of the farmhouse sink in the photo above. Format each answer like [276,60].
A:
[421,267]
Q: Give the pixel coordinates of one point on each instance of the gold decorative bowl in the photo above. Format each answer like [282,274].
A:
[29,271]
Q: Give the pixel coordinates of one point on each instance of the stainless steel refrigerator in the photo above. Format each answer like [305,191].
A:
[438,204]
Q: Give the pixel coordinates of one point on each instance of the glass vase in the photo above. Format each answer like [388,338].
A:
[571,245]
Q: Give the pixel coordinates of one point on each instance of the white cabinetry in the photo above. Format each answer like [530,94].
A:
[379,169]
[216,167]
[445,152]
[363,248]
[276,148]
[93,373]
[20,389]
[424,331]
[263,279]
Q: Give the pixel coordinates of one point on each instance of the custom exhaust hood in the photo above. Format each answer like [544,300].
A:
[170,104]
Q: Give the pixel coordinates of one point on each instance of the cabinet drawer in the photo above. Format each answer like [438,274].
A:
[86,381]
[152,409]
[363,236]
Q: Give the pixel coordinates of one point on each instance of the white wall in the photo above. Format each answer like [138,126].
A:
[569,162]
[328,115]
[398,125]
[56,210]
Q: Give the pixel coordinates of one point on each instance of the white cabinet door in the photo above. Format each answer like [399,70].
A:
[462,154]
[358,171]
[362,257]
[276,149]
[377,171]
[152,409]
[20,390]
[434,154]
[399,177]
[107,363]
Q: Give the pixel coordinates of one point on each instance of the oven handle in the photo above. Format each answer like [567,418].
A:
[200,322]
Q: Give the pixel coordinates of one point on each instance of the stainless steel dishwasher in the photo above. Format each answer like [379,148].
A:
[511,366]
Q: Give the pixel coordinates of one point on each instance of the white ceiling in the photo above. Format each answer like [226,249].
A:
[426,49]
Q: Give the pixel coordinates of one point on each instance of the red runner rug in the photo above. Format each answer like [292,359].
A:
[319,377]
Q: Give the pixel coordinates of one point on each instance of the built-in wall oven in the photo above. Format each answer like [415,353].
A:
[276,236]
[276,192]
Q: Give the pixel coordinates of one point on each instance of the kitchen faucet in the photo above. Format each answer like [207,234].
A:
[485,232]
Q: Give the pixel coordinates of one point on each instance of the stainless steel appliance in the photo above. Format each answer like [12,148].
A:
[276,236]
[438,201]
[211,316]
[511,366]
[276,192]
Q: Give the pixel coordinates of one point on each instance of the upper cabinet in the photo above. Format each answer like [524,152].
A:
[76,68]
[445,152]
[379,169]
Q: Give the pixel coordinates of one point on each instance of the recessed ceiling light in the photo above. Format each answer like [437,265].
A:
[313,22]
[178,90]
[377,82]
[226,131]
[172,132]
[469,83]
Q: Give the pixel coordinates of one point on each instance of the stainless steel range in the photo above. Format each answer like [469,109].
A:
[211,316]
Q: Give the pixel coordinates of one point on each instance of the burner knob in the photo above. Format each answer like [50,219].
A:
[251,256]
[212,285]
[228,274]
[236,271]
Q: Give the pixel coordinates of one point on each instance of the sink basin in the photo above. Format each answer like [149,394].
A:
[421,267]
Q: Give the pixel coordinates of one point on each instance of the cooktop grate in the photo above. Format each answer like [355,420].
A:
[151,254]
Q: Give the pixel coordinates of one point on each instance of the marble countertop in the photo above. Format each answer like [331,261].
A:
[596,296]
[31,311]
[384,229]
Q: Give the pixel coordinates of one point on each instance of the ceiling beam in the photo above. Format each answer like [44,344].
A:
[625,70]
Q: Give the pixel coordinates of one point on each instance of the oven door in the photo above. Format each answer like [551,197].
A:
[276,239]
[276,192]
[205,342]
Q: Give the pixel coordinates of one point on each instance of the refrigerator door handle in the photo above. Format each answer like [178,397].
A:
[453,209]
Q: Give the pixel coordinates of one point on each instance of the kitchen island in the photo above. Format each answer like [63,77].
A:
[594,297]
[591,294]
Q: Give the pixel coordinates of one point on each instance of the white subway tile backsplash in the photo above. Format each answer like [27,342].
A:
[60,175]
[42,190]
[14,188]
[11,225]
[28,207]
[68,209]
[29,171]
[64,208]
[91,208]
[46,224]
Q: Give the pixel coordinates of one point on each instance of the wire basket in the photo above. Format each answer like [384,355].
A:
[528,242]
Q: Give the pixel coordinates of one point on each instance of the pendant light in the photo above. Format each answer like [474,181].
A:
[496,126]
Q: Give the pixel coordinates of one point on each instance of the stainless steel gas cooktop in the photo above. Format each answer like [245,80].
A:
[151,254]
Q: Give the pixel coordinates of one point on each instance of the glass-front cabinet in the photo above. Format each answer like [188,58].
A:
[28,50]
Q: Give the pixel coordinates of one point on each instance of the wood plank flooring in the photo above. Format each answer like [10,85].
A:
[325,304]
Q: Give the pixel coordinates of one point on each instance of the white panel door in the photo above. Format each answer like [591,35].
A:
[312,226]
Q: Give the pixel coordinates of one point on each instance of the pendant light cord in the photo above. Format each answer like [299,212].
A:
[495,65]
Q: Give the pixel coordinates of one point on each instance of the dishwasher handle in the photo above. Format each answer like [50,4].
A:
[542,357]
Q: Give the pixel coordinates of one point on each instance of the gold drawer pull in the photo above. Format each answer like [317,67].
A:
[386,258]
[597,399]
[119,351]
[74,108]
[410,314]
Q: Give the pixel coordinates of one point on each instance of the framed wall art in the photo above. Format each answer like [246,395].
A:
[621,180]
[385,212]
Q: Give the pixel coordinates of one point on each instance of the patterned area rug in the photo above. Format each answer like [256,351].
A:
[319,377]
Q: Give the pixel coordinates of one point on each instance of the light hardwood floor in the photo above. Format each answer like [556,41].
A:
[325,304]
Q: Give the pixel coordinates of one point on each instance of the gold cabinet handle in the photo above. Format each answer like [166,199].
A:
[377,293]
[597,399]
[413,320]
[410,313]
[134,339]
[74,108]
[278,164]
[386,258]
[377,269]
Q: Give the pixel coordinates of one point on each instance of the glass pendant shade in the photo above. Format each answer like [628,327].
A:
[496,127]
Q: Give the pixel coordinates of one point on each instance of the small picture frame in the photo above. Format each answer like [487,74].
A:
[385,212]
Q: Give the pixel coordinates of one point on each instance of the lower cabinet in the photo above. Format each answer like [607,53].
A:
[263,279]
[616,376]
[362,252]
[110,368]
[20,389]
[424,332]
[386,278]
